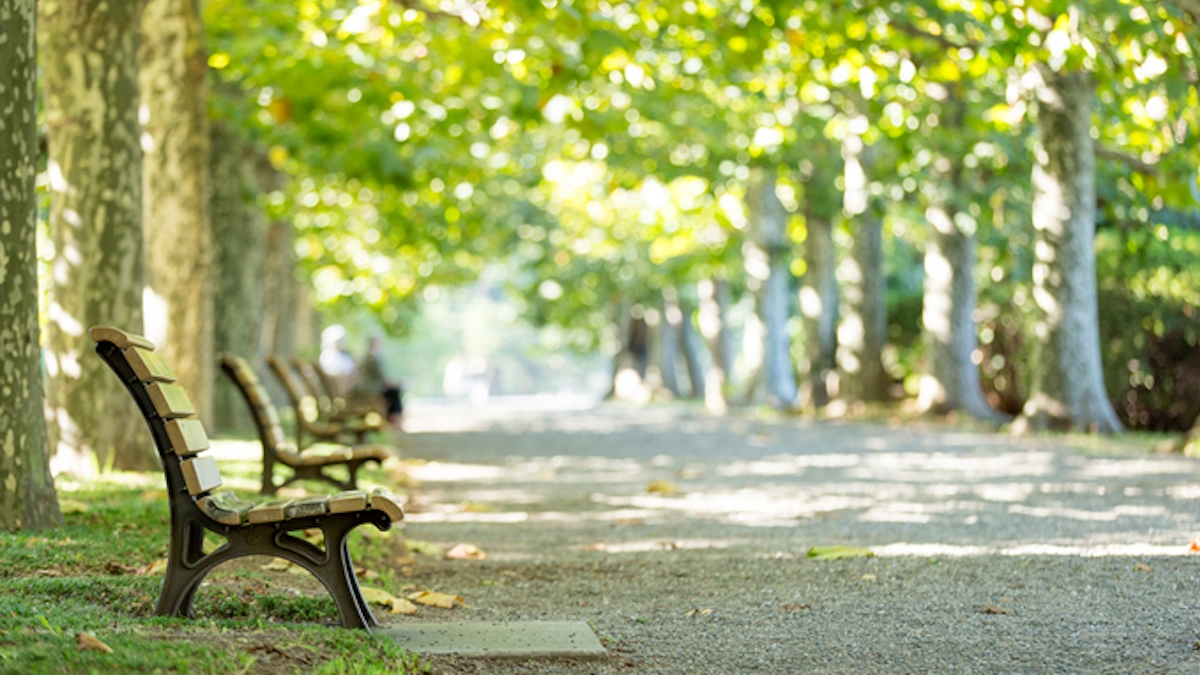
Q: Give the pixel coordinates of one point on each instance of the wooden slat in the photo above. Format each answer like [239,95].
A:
[257,395]
[200,474]
[307,507]
[227,512]
[149,366]
[382,500]
[187,436]
[351,500]
[268,512]
[170,400]
[119,337]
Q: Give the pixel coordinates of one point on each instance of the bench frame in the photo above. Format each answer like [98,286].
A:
[187,563]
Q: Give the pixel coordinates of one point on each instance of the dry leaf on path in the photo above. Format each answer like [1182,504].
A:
[797,607]
[153,568]
[276,565]
[699,612]
[378,596]
[838,552]
[993,609]
[117,568]
[435,599]
[88,642]
[598,546]
[402,606]
[868,577]
[1143,567]
[1194,547]
[466,552]
[662,487]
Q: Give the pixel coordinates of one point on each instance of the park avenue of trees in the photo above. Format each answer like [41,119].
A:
[988,208]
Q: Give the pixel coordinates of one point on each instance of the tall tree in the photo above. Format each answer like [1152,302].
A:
[862,333]
[90,66]
[178,235]
[714,299]
[771,255]
[1068,384]
[239,237]
[819,288]
[27,498]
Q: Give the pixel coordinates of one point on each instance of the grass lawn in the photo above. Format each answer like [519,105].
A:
[97,575]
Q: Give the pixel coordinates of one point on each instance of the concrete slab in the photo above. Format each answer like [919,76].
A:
[504,639]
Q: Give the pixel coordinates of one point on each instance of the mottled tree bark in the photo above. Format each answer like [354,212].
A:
[951,380]
[1067,390]
[239,235]
[819,306]
[27,498]
[689,345]
[280,290]
[714,298]
[862,333]
[769,254]
[89,64]
[178,235]
[669,340]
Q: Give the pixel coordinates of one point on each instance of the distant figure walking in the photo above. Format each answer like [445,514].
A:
[335,361]
[374,383]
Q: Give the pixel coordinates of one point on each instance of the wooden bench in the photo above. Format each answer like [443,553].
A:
[312,463]
[308,414]
[198,506]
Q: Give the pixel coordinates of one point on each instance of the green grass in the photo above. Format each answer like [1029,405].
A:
[83,577]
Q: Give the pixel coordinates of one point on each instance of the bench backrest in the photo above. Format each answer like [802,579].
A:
[266,417]
[169,413]
[305,405]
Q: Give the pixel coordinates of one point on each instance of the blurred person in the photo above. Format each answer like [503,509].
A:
[373,382]
[335,360]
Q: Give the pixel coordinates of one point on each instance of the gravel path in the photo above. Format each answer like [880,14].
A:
[993,554]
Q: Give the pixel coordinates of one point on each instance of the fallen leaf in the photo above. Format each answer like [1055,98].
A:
[629,521]
[405,560]
[475,507]
[48,572]
[436,599]
[315,536]
[699,612]
[598,546]
[424,547]
[88,642]
[1143,567]
[1195,545]
[366,574]
[154,568]
[69,506]
[277,565]
[796,607]
[378,596]
[662,487]
[402,606]
[838,552]
[117,568]
[466,552]
[993,609]
[868,577]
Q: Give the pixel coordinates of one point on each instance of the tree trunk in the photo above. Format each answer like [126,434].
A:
[819,306]
[1067,390]
[238,255]
[671,337]
[951,380]
[89,62]
[862,334]
[770,257]
[689,344]
[178,235]
[714,298]
[279,276]
[27,498]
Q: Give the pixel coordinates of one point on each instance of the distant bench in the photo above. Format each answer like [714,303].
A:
[313,463]
[248,528]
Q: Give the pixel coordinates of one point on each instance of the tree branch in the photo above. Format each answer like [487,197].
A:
[1142,167]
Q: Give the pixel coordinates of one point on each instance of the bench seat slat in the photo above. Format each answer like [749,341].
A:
[119,338]
[349,501]
[307,507]
[170,400]
[382,500]
[268,512]
[149,366]
[225,508]
[201,475]
[187,436]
